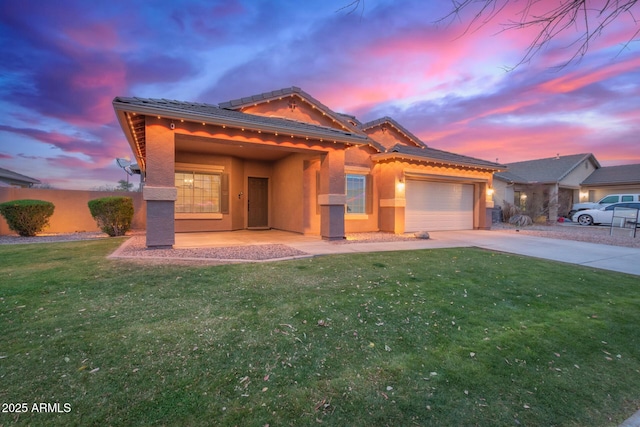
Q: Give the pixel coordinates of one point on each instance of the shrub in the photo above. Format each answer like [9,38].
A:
[521,220]
[509,211]
[27,217]
[113,214]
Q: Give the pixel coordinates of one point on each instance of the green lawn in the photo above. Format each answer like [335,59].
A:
[448,337]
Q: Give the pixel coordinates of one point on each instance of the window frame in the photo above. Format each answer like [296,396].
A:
[362,206]
[216,212]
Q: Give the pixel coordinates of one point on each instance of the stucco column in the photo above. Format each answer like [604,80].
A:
[159,191]
[554,192]
[331,197]
[482,208]
[392,199]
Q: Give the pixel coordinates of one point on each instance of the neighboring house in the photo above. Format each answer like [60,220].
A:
[14,179]
[544,187]
[623,179]
[284,160]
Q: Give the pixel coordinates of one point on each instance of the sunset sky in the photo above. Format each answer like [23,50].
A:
[63,62]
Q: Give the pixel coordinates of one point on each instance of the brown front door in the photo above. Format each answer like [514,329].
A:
[258,203]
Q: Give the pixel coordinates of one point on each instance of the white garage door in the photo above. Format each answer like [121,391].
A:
[435,206]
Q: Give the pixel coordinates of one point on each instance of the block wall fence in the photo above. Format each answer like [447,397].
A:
[71,212]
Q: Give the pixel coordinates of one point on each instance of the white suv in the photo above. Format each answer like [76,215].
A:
[605,201]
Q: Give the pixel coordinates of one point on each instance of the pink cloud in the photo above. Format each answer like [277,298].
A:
[501,110]
[102,36]
[578,79]
[510,144]
[100,152]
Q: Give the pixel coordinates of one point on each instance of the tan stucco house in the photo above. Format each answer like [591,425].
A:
[621,179]
[284,160]
[552,184]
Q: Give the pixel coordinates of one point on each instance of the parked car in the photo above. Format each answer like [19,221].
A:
[603,215]
[605,201]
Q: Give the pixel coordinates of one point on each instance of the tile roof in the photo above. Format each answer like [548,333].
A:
[549,170]
[395,124]
[608,175]
[431,154]
[226,113]
[211,113]
[236,104]
[13,177]
[265,96]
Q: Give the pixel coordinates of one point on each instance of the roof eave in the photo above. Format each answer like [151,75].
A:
[121,114]
[606,184]
[390,156]
[354,139]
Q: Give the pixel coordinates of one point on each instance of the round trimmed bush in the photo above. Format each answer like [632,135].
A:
[27,217]
[113,214]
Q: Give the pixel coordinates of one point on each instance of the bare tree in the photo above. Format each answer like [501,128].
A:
[587,19]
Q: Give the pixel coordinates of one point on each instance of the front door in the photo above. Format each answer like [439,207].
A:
[258,203]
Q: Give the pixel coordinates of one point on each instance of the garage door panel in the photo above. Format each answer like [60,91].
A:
[434,206]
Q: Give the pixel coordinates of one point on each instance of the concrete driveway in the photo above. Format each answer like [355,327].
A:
[607,257]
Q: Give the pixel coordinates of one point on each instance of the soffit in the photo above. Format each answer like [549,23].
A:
[248,151]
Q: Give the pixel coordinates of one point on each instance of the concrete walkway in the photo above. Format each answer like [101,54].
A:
[607,257]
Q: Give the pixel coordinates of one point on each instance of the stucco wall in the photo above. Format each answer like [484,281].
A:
[502,192]
[311,215]
[577,175]
[359,155]
[287,195]
[303,111]
[71,212]
[597,193]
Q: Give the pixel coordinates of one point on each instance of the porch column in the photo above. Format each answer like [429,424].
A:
[331,197]
[159,191]
[554,201]
[482,207]
[393,200]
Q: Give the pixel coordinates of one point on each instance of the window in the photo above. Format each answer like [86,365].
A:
[198,192]
[520,200]
[627,199]
[356,189]
[609,199]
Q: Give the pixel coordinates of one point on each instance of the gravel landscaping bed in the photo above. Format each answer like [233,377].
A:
[579,233]
[135,248]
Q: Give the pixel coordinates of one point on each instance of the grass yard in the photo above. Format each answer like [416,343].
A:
[448,337]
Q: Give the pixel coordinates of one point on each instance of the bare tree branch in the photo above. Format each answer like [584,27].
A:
[586,18]
[589,22]
[353,6]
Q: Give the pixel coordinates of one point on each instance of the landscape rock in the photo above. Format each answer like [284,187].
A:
[421,235]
